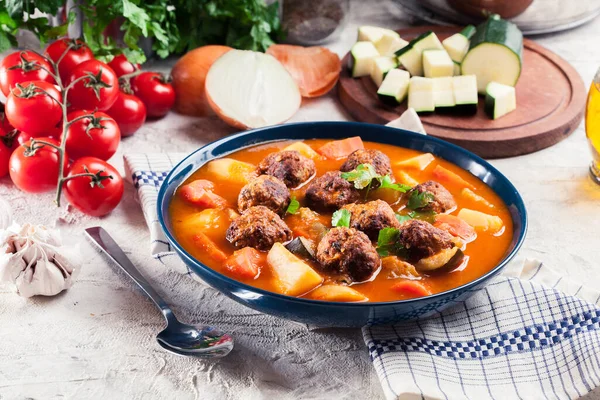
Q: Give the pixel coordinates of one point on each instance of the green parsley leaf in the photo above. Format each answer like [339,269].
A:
[403,218]
[341,218]
[361,176]
[387,242]
[419,200]
[385,182]
[294,206]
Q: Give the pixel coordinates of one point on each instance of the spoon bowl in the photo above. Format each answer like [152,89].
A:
[203,342]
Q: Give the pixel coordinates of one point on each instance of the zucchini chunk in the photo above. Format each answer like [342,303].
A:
[499,100]
[411,55]
[457,45]
[420,94]
[394,87]
[388,45]
[443,93]
[465,93]
[446,258]
[437,63]
[495,53]
[456,69]
[410,121]
[361,57]
[373,34]
[380,66]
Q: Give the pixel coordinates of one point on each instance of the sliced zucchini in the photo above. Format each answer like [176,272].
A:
[443,93]
[361,57]
[410,121]
[468,31]
[495,53]
[465,93]
[456,69]
[420,94]
[411,55]
[457,46]
[437,63]
[394,87]
[373,34]
[447,258]
[428,41]
[388,45]
[499,99]
[380,66]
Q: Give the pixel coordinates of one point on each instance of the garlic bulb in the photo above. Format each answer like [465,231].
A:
[32,257]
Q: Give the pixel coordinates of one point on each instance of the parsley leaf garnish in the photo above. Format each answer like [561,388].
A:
[386,183]
[294,206]
[387,242]
[341,218]
[419,200]
[403,218]
[361,176]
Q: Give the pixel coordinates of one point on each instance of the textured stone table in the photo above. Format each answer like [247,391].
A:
[97,339]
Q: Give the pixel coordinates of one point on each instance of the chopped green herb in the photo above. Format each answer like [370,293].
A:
[294,206]
[341,218]
[419,200]
[386,183]
[403,218]
[361,176]
[387,242]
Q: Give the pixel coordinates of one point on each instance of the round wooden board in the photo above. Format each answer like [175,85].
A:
[550,104]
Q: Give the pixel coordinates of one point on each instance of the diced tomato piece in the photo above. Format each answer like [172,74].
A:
[411,289]
[199,193]
[245,263]
[444,175]
[456,227]
[204,243]
[341,148]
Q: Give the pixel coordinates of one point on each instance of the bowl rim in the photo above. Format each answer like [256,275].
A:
[181,252]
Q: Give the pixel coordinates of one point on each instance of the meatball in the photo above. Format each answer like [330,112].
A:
[291,167]
[348,252]
[442,199]
[421,239]
[258,227]
[266,190]
[376,158]
[372,217]
[331,191]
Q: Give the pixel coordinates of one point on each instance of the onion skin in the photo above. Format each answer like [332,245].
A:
[189,75]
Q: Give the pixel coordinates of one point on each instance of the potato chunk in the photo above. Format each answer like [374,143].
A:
[337,293]
[294,276]
[471,195]
[419,162]
[303,149]
[231,170]
[481,221]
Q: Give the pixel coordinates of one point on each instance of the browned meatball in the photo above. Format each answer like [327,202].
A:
[348,252]
[421,239]
[372,217]
[331,191]
[266,190]
[442,199]
[291,167]
[376,158]
[258,227]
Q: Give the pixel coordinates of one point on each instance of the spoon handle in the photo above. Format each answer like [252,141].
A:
[107,244]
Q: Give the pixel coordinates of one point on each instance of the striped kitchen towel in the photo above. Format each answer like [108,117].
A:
[147,172]
[532,335]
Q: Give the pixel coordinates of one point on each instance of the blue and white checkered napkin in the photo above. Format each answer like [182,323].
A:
[529,334]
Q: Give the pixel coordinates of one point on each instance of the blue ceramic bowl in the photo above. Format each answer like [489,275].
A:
[338,314]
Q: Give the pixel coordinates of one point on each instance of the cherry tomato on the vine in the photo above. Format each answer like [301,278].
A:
[34,166]
[98,90]
[156,91]
[122,66]
[97,135]
[23,66]
[54,132]
[8,144]
[76,54]
[33,107]
[129,112]
[98,195]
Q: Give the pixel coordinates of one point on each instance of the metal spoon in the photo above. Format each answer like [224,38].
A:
[182,339]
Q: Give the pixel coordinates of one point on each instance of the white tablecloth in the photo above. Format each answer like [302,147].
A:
[97,339]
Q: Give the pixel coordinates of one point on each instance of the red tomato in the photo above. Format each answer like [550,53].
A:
[97,92]
[33,166]
[129,112]
[122,66]
[32,107]
[23,66]
[94,196]
[54,132]
[96,136]
[78,53]
[155,91]
[8,144]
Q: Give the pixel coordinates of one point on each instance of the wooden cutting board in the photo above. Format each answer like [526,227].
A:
[550,104]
